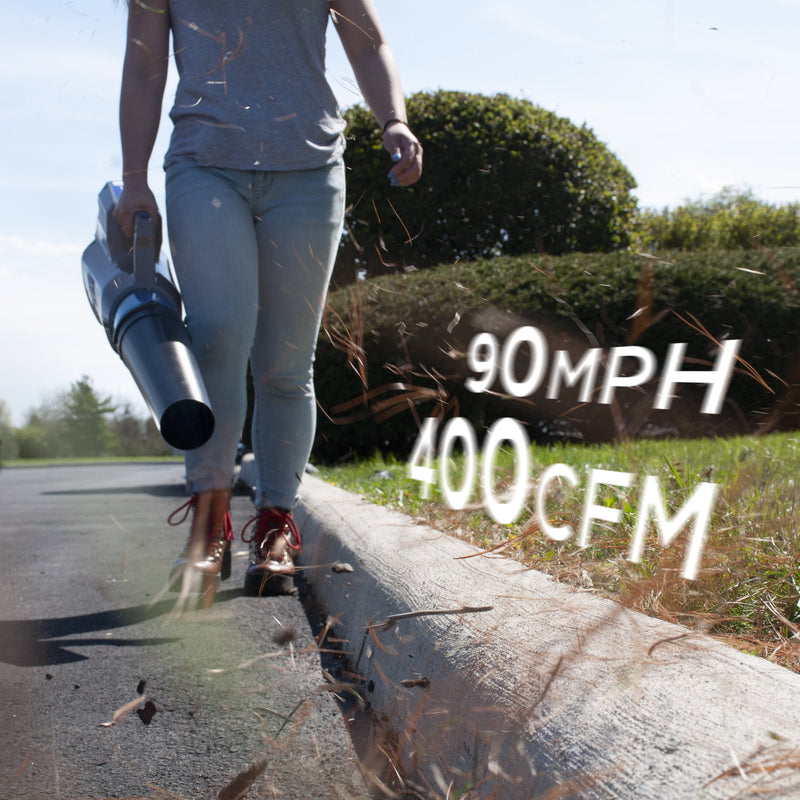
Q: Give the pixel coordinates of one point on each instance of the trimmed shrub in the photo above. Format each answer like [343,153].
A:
[392,350]
[501,176]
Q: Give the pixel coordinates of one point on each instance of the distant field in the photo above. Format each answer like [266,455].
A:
[21,463]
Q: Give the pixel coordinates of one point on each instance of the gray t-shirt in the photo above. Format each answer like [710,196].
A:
[252,92]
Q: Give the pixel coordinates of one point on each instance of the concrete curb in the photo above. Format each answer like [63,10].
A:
[552,687]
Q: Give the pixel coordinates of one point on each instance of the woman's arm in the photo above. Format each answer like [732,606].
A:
[144,76]
[375,69]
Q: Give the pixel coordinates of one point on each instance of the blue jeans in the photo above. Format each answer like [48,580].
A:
[253,253]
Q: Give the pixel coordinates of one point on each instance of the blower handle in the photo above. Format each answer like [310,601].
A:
[144,249]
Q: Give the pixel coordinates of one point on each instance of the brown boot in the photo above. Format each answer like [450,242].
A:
[207,553]
[274,546]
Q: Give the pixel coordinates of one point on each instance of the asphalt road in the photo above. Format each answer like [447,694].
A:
[109,691]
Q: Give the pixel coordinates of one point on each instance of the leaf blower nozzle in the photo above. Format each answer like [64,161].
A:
[133,297]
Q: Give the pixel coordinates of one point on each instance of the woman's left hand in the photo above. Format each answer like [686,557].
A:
[406,152]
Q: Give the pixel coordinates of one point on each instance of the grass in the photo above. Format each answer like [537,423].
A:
[22,463]
[747,589]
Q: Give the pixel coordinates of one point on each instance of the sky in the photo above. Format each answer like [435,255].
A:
[691,95]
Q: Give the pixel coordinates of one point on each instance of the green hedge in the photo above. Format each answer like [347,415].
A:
[414,329]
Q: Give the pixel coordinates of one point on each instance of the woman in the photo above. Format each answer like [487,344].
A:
[254,205]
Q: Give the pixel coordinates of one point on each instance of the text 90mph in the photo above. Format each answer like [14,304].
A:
[484,357]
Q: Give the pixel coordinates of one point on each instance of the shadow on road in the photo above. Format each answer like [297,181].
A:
[157,490]
[45,642]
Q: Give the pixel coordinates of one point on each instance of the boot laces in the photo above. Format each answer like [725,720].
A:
[176,518]
[187,508]
[267,525]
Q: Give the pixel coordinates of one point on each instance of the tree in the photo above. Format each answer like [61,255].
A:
[133,436]
[8,442]
[85,426]
[42,432]
[76,422]
[501,176]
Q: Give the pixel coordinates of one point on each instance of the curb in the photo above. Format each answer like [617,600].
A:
[554,692]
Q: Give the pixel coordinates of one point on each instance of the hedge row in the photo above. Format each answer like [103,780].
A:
[731,220]
[393,349]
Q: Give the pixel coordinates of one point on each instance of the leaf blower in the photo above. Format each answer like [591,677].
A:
[133,297]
